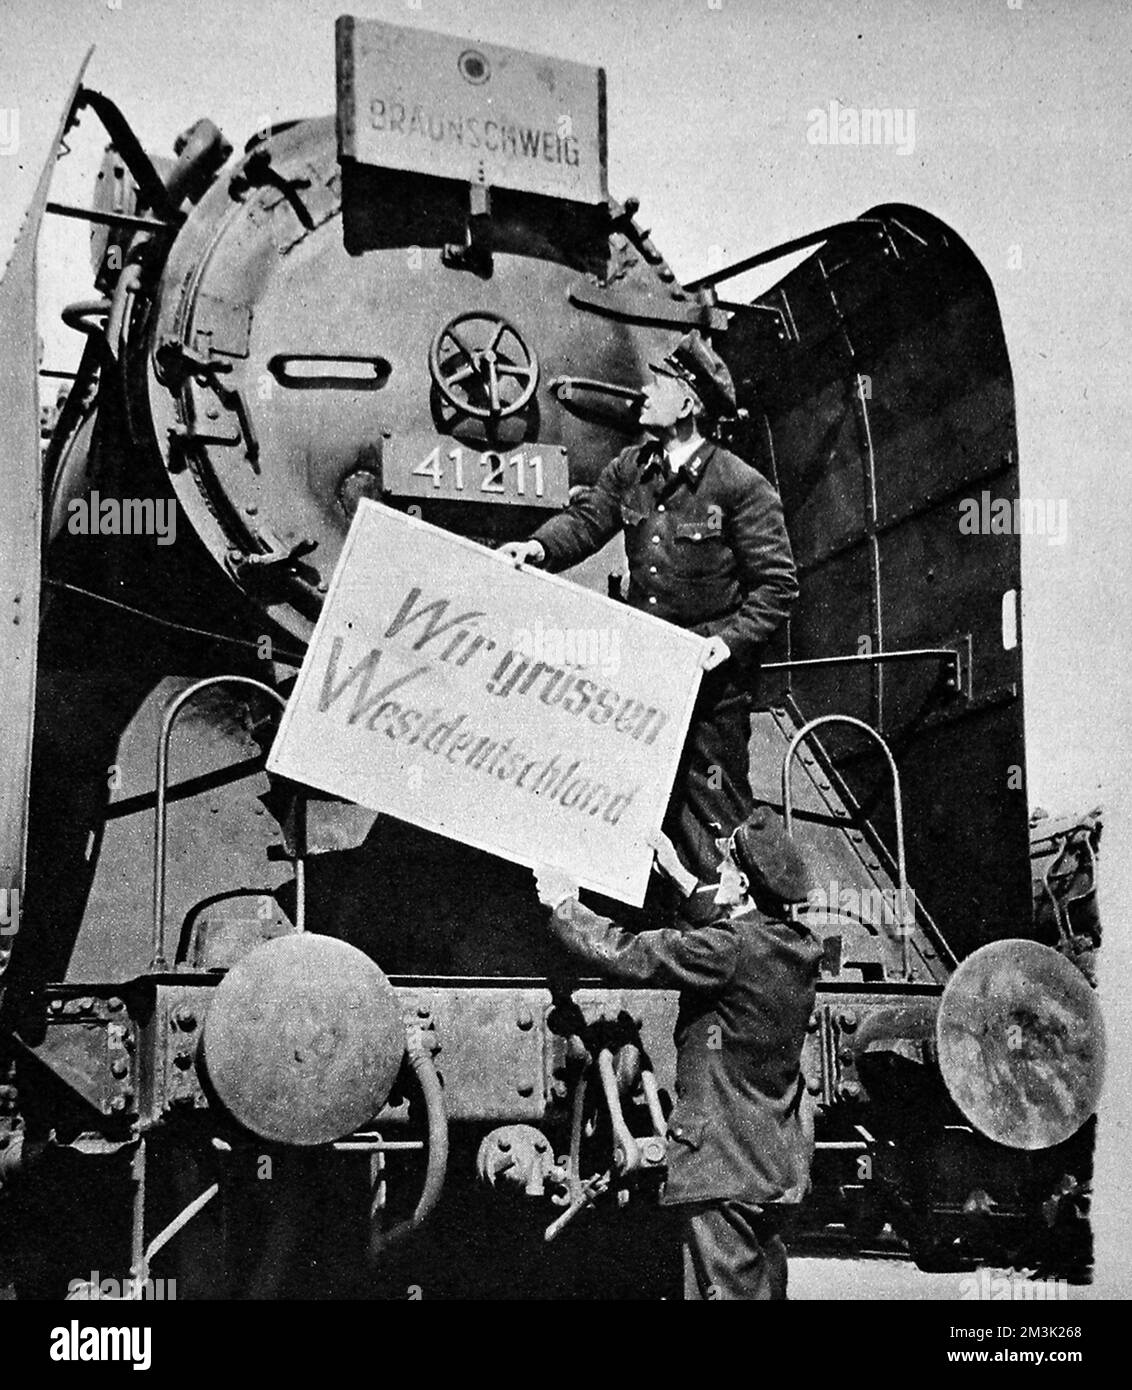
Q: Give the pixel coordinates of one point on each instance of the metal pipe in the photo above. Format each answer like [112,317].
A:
[785,248]
[178,1223]
[422,1064]
[897,802]
[139,1264]
[652,1100]
[948,655]
[110,219]
[158,964]
[626,1152]
[151,187]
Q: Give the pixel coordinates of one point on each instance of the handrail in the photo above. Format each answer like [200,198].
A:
[786,248]
[898,808]
[158,964]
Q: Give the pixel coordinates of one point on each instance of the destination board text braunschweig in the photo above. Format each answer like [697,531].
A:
[470,132]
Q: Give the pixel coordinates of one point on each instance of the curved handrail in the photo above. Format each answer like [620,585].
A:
[158,964]
[898,806]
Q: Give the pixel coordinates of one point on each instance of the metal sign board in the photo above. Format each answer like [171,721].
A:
[442,105]
[439,468]
[508,709]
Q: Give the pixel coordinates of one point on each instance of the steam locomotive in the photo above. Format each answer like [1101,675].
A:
[231,1004]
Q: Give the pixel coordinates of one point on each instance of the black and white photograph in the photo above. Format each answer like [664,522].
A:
[565,674]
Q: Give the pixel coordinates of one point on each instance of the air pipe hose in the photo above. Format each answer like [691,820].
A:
[419,1058]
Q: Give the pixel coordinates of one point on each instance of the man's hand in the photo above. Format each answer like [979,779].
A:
[668,861]
[714,654]
[554,886]
[523,553]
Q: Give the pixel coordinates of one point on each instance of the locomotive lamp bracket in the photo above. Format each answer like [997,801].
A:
[475,252]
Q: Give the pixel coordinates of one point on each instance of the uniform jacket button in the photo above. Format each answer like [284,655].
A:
[652,598]
[661,507]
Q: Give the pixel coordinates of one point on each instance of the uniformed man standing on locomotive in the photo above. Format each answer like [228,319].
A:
[707,550]
[739,1139]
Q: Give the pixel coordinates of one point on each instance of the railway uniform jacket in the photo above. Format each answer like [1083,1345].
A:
[707,549]
[746,995]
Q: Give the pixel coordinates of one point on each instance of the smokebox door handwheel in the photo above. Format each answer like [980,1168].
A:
[482,366]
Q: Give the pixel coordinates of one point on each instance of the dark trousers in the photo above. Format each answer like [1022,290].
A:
[712,791]
[732,1250]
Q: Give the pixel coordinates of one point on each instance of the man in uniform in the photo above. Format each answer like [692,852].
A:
[707,550]
[739,1140]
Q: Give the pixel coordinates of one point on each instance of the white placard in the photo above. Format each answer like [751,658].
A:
[509,709]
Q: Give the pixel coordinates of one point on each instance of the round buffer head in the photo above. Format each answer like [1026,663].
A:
[304,1039]
[1021,1044]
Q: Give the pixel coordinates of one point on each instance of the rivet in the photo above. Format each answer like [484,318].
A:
[525,1088]
[525,1020]
[119,1068]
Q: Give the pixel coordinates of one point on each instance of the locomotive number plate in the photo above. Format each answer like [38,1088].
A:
[442,469]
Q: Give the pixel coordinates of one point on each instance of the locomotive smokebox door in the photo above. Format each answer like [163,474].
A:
[476,113]
[304,1039]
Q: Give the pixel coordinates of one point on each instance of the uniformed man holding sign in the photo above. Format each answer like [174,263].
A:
[707,550]
[740,1138]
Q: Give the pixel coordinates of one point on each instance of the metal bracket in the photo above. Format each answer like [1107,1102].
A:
[476,252]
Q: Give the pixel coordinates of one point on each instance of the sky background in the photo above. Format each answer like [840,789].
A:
[1022,119]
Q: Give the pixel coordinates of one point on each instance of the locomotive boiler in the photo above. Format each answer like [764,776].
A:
[231,1004]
